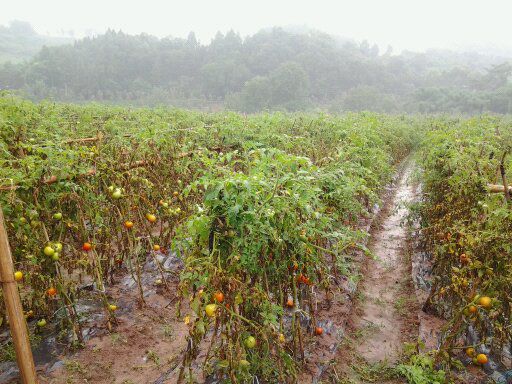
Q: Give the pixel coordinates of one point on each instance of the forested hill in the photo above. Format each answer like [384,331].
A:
[273,69]
[19,42]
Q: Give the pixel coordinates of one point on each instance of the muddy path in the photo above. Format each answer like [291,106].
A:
[385,296]
[385,313]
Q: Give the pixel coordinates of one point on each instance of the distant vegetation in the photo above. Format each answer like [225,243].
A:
[19,42]
[272,70]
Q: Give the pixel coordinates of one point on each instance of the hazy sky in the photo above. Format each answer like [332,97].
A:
[405,24]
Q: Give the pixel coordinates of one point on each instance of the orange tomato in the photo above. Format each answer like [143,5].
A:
[485,302]
[51,291]
[87,247]
[219,297]
[482,359]
[128,224]
[289,303]
[319,331]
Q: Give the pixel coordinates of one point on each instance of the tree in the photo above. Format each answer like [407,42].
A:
[289,86]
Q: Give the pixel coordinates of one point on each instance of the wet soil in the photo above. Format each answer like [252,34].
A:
[385,313]
[385,298]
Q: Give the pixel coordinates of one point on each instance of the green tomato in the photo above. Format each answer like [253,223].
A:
[117,194]
[48,251]
[250,342]
[58,247]
[55,256]
[57,216]
[41,323]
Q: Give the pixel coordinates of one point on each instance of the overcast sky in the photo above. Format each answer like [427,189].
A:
[404,24]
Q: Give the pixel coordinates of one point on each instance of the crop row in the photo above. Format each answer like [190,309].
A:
[468,231]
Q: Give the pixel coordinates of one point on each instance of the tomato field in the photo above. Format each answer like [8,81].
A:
[264,212]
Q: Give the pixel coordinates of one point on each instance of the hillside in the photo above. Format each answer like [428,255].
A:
[273,69]
[20,42]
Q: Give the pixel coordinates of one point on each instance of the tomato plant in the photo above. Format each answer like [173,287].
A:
[468,230]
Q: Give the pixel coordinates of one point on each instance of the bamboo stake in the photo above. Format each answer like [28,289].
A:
[12,299]
[497,188]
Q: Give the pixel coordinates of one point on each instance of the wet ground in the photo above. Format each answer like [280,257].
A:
[385,297]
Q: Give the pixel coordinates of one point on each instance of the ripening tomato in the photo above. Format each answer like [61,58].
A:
[18,275]
[156,247]
[87,247]
[151,218]
[482,359]
[319,331]
[128,224]
[485,302]
[219,297]
[210,310]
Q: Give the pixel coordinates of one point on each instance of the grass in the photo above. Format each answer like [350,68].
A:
[117,339]
[373,373]
[168,331]
[73,366]
[153,356]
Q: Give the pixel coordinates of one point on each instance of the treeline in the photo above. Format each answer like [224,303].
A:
[273,69]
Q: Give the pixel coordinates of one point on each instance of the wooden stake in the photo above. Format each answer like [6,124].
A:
[497,188]
[12,299]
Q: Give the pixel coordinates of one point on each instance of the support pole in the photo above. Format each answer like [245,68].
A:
[17,320]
